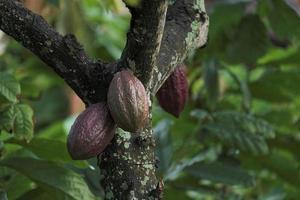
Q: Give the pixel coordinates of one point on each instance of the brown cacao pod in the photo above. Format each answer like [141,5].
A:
[173,94]
[128,101]
[91,132]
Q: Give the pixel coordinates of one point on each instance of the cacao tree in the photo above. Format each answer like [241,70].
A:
[128,164]
[225,125]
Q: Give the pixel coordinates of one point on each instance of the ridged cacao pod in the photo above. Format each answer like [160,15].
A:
[173,94]
[91,132]
[128,101]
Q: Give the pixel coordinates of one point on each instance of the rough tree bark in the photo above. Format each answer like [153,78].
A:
[161,34]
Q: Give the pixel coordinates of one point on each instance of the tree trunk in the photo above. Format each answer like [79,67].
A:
[128,167]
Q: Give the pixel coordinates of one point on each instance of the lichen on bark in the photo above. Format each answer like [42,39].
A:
[128,166]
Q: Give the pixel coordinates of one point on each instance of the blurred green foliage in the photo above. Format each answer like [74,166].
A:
[238,137]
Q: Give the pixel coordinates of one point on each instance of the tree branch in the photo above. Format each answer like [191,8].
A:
[158,40]
[144,38]
[87,77]
[186,29]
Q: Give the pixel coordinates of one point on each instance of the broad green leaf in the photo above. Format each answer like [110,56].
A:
[55,130]
[7,118]
[279,162]
[192,183]
[37,194]
[277,193]
[50,175]
[176,169]
[245,47]
[287,143]
[111,35]
[283,117]
[283,19]
[23,124]
[54,110]
[243,86]
[220,24]
[240,131]
[281,56]
[49,149]
[17,185]
[18,118]
[211,80]
[222,28]
[277,86]
[221,173]
[12,150]
[9,87]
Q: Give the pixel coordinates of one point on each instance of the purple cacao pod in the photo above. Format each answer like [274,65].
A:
[128,102]
[91,132]
[173,94]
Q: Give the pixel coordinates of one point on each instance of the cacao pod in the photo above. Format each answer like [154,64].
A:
[91,132]
[173,94]
[128,101]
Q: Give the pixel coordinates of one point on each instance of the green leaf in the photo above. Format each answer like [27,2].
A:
[240,131]
[50,175]
[176,169]
[192,183]
[283,164]
[9,87]
[287,143]
[55,130]
[49,149]
[23,124]
[244,88]
[211,80]
[221,28]
[18,118]
[279,56]
[247,48]
[7,118]
[277,86]
[17,185]
[219,23]
[221,173]
[54,110]
[37,194]
[283,19]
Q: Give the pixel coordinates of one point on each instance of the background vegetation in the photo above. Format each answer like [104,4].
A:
[238,137]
